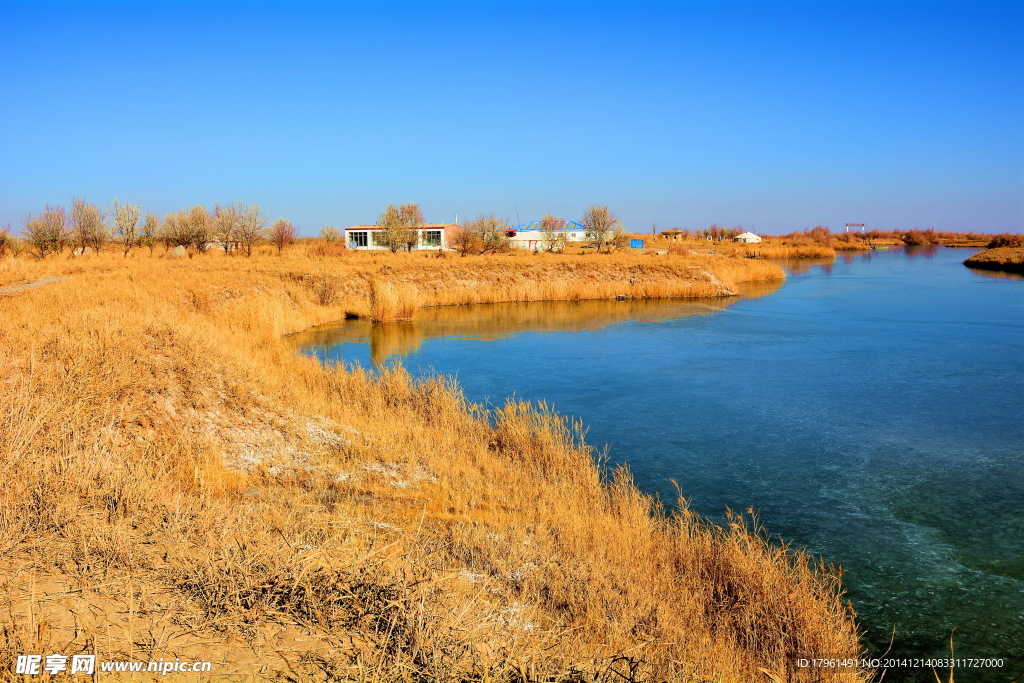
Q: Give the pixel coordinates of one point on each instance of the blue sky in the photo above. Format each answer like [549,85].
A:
[775,116]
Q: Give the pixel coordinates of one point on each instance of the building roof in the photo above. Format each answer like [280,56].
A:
[425,226]
[559,225]
[746,234]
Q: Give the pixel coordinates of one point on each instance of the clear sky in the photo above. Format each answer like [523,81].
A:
[775,116]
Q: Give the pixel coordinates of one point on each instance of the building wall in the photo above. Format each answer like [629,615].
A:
[534,239]
[354,241]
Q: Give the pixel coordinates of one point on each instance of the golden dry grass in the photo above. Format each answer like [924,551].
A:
[775,250]
[1006,259]
[178,482]
[770,248]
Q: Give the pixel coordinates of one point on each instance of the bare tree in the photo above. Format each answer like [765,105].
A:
[225,225]
[412,219]
[47,233]
[493,233]
[126,225]
[34,232]
[330,234]
[399,224]
[554,239]
[149,231]
[88,226]
[619,240]
[15,244]
[198,225]
[603,228]
[251,227]
[282,234]
[6,240]
[174,231]
[464,241]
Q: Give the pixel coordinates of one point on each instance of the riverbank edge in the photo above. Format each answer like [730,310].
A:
[1003,259]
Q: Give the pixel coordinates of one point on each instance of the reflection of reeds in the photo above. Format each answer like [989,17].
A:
[390,302]
[393,339]
[490,321]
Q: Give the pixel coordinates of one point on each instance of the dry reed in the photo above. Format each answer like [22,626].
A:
[1006,259]
[390,302]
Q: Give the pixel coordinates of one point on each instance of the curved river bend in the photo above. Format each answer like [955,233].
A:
[871,409]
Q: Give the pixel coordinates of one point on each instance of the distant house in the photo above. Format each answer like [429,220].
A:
[748,237]
[531,236]
[367,237]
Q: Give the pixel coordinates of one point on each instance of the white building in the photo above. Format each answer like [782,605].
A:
[367,237]
[531,236]
[748,237]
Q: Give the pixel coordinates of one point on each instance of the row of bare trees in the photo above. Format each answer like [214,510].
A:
[235,228]
[238,228]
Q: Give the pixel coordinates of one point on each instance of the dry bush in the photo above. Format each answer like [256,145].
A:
[6,241]
[1006,240]
[326,248]
[282,234]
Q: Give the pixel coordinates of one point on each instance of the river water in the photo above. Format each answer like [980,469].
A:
[870,409]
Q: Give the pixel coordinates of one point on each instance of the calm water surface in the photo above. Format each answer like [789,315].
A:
[872,410]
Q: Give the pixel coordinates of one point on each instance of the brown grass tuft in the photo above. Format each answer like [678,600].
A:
[390,302]
[1006,259]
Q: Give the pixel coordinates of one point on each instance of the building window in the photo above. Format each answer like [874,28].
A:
[358,239]
[431,238]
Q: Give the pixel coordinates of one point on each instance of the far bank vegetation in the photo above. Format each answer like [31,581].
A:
[817,242]
[1005,253]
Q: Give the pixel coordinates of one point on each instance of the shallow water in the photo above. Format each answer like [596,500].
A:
[871,409]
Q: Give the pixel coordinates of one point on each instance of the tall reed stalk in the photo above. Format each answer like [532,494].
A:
[391,302]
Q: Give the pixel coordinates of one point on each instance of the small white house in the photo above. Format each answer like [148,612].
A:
[367,237]
[748,237]
[531,236]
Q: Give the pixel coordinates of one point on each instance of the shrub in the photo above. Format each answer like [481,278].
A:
[330,234]
[1006,239]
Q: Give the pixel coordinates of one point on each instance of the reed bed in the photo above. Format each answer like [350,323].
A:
[782,251]
[390,303]
[178,483]
[771,247]
[1005,259]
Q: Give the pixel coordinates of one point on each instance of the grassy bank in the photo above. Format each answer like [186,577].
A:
[179,483]
[770,247]
[1005,259]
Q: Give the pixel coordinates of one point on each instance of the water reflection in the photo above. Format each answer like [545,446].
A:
[926,250]
[802,266]
[799,266]
[998,274]
[493,321]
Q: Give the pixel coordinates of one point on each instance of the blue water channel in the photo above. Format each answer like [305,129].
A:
[870,409]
